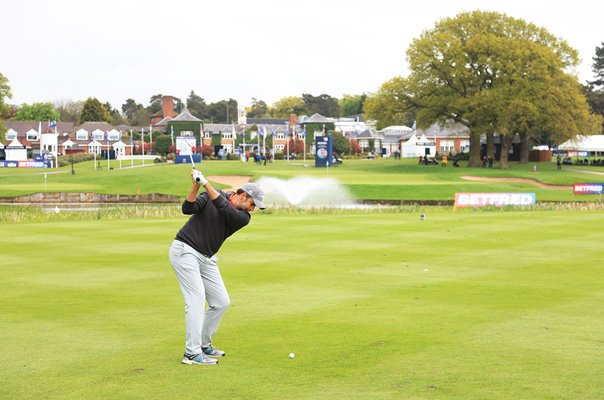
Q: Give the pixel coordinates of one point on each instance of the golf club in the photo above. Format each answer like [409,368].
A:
[197,178]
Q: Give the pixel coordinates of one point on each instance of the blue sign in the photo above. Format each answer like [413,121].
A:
[323,151]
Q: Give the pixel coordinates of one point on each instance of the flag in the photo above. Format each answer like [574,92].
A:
[273,131]
[324,130]
[234,132]
[172,134]
[52,124]
[260,133]
[303,133]
[414,126]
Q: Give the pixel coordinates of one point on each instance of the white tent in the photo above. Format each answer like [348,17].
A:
[593,143]
[424,143]
[15,151]
[408,149]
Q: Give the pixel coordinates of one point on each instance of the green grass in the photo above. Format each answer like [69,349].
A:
[464,305]
[366,179]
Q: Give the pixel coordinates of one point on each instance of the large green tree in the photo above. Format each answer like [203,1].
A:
[388,106]
[258,109]
[352,104]
[197,106]
[130,108]
[595,89]
[36,112]
[5,93]
[479,67]
[93,110]
[69,110]
[288,105]
[323,104]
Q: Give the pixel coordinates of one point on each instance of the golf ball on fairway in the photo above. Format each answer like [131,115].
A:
[291,355]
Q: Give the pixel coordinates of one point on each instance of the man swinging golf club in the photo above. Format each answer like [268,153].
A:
[215,215]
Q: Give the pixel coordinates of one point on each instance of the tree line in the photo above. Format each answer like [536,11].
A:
[495,74]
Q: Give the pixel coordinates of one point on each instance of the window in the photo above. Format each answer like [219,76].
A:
[186,133]
[11,134]
[114,135]
[82,134]
[279,147]
[31,135]
[446,146]
[227,135]
[280,135]
[207,135]
[98,135]
[464,144]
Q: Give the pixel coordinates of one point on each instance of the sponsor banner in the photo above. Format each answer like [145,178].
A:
[494,199]
[32,164]
[9,164]
[587,188]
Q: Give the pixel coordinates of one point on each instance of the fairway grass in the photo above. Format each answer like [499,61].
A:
[463,305]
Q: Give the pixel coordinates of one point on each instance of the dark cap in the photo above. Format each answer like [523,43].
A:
[256,193]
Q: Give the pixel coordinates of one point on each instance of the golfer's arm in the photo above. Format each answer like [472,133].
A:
[192,195]
[212,193]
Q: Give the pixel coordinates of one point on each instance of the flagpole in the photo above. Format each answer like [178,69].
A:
[287,141]
[150,139]
[131,151]
[264,142]
[143,142]
[108,154]
[304,144]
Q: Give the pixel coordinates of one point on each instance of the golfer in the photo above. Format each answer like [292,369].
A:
[215,215]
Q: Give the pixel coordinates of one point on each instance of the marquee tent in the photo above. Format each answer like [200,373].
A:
[409,147]
[593,143]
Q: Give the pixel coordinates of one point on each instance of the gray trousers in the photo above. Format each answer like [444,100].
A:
[200,281]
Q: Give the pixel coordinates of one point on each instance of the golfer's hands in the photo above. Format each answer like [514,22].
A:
[198,177]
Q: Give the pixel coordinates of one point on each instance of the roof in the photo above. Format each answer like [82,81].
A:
[164,122]
[267,121]
[585,143]
[317,118]
[185,116]
[448,129]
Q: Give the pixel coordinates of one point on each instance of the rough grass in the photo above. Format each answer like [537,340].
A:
[366,179]
[463,305]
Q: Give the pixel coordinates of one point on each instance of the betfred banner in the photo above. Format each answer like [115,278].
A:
[587,188]
[494,199]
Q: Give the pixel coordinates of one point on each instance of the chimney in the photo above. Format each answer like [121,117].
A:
[168,106]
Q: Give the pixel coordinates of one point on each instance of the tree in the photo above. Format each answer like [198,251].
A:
[116,117]
[352,104]
[258,109]
[162,144]
[286,106]
[197,106]
[355,147]
[69,110]
[130,108]
[595,89]
[224,111]
[323,104]
[340,144]
[296,145]
[473,67]
[36,112]
[5,93]
[388,106]
[598,67]
[93,110]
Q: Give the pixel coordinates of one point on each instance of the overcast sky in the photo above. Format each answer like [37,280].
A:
[119,49]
